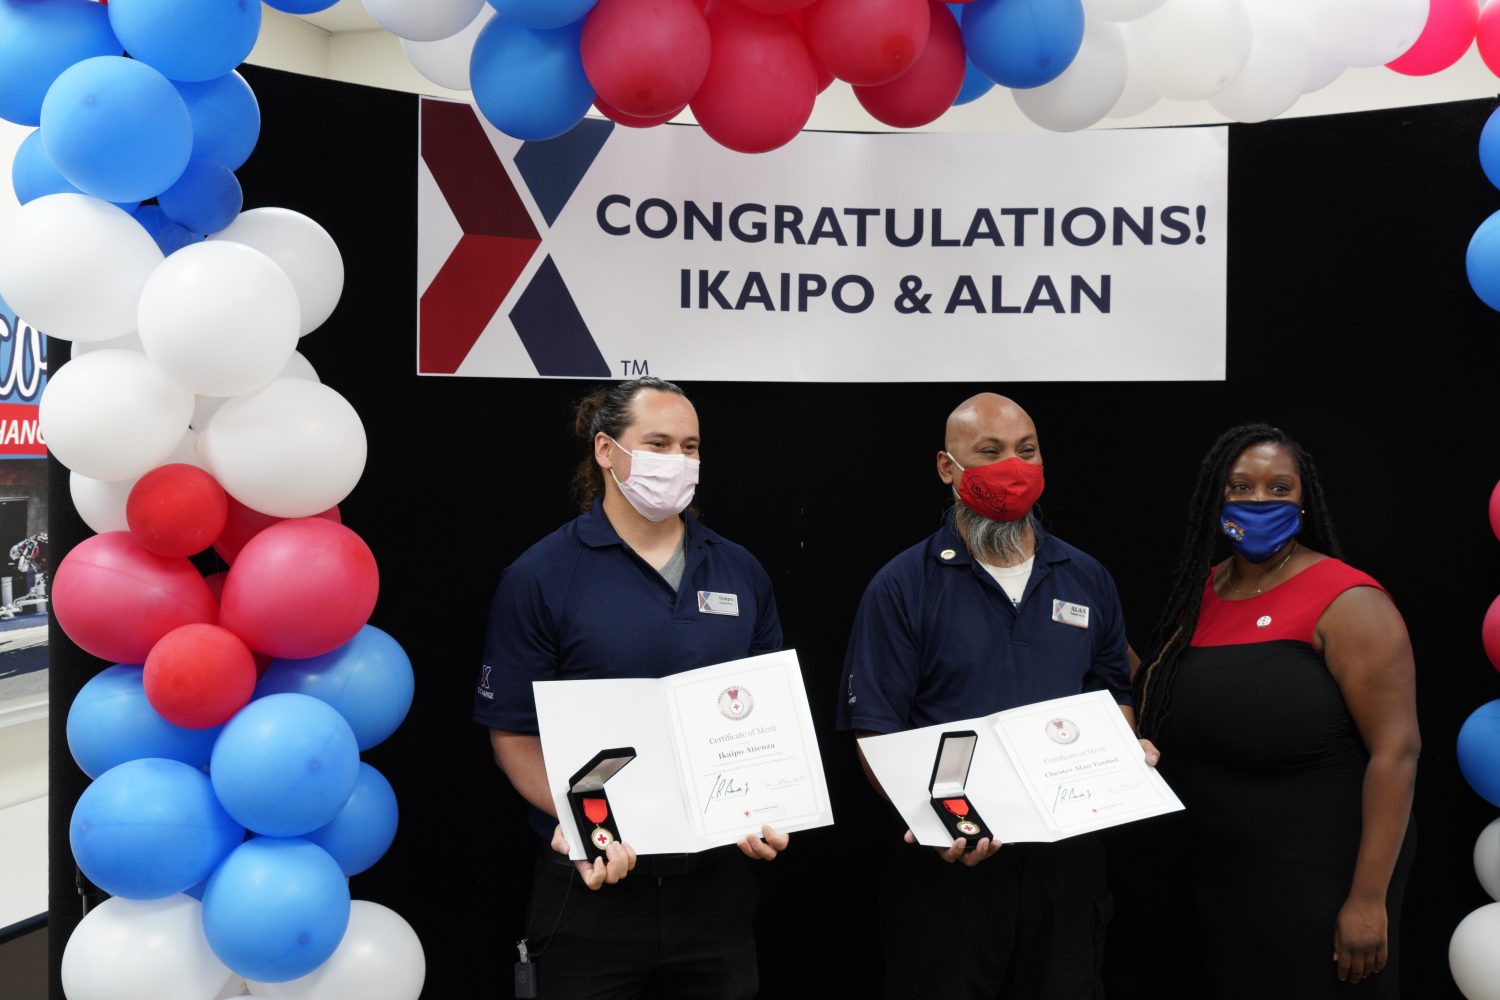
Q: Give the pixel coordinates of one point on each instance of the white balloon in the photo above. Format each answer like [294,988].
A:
[1137,95]
[1367,32]
[113,415]
[1191,49]
[73,266]
[1084,92]
[129,342]
[424,21]
[205,407]
[1273,78]
[220,319]
[1487,859]
[446,61]
[302,248]
[1322,68]
[1118,10]
[380,958]
[292,449]
[127,949]
[100,504]
[1472,956]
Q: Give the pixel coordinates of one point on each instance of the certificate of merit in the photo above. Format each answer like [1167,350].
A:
[1040,772]
[719,752]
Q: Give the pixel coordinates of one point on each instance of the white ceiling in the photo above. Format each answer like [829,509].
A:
[346,15]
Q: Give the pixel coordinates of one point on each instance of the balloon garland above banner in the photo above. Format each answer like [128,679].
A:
[189,422]
[536,66]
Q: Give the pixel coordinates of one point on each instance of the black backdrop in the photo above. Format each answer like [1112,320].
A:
[1350,325]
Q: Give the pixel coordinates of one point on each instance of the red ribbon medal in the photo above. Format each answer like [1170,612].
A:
[958,807]
[597,810]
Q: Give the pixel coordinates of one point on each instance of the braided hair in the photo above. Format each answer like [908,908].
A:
[1202,546]
[607,409]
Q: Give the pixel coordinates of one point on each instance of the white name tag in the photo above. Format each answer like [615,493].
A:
[1069,613]
[710,603]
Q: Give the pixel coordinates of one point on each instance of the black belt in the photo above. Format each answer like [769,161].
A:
[664,865]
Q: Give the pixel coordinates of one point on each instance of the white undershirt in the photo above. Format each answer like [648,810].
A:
[1012,579]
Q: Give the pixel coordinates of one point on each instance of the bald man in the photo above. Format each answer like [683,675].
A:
[989,613]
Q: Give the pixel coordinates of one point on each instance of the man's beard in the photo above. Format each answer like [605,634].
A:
[995,542]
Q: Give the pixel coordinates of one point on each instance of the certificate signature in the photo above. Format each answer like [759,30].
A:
[722,788]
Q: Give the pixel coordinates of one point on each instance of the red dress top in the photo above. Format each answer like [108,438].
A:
[1289,610]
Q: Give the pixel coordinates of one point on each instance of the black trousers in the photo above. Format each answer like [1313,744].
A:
[1026,924]
[672,930]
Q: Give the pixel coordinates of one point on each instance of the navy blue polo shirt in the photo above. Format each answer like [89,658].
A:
[580,604]
[936,639]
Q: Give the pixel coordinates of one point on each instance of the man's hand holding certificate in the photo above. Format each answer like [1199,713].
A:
[1040,772]
[719,753]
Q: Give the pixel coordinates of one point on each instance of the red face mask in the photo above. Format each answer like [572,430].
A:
[1001,491]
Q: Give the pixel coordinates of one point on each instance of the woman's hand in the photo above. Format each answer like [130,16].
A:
[1360,944]
[986,848]
[1152,754]
[766,846]
[618,860]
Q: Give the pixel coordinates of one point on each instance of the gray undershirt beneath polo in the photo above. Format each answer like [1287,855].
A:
[672,571]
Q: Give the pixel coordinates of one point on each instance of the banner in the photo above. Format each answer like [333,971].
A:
[616,252]
[23,375]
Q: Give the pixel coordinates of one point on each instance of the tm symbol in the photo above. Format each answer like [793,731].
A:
[630,368]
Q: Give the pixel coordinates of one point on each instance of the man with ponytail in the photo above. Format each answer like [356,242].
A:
[989,613]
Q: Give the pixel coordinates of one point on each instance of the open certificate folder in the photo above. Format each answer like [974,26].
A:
[719,751]
[1040,772]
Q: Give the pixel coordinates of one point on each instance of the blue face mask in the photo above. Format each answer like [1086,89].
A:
[1259,528]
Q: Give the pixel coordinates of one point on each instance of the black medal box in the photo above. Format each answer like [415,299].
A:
[592,813]
[950,776]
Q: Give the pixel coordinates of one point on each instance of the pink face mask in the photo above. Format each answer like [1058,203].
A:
[659,486]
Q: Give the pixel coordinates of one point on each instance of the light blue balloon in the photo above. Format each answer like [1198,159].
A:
[226,119]
[543,13]
[368,680]
[364,829]
[170,236]
[187,39]
[116,129]
[1483,261]
[111,722]
[1479,748]
[285,764]
[1023,43]
[276,909]
[40,40]
[205,199]
[529,84]
[149,828]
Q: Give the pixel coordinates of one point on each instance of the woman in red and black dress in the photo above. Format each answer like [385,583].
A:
[1280,689]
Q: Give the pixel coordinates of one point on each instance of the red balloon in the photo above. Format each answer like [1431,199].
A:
[824,77]
[300,588]
[198,676]
[244,524]
[116,600]
[1488,37]
[867,42]
[1450,30]
[645,57]
[761,85]
[176,510]
[777,6]
[1495,510]
[921,95]
[631,121]
[1491,633]
[215,583]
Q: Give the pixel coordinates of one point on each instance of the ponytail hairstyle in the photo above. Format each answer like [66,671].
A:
[608,410]
[1201,543]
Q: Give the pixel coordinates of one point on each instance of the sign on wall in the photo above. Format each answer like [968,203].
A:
[23,375]
[615,252]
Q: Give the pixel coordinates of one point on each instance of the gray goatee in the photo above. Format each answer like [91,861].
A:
[1003,543]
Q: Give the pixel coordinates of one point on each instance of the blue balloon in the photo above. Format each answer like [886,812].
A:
[976,84]
[40,40]
[368,680]
[116,129]
[363,830]
[301,6]
[543,13]
[187,39]
[1479,750]
[276,909]
[1489,148]
[205,199]
[226,119]
[151,828]
[529,84]
[1023,43]
[170,236]
[111,722]
[1483,261]
[285,764]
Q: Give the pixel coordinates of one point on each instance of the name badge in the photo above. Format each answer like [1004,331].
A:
[1069,613]
[710,603]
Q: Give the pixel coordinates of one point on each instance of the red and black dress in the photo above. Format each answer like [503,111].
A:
[1263,752]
